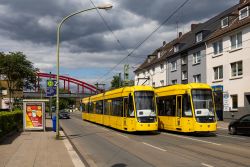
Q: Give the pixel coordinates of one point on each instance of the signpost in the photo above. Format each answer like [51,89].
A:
[226,101]
[51,88]
[34,114]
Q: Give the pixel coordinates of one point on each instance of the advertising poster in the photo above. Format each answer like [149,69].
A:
[34,115]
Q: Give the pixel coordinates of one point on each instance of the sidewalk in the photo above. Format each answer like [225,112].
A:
[35,149]
[222,124]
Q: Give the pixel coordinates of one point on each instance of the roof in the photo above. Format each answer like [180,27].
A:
[181,88]
[188,40]
[234,24]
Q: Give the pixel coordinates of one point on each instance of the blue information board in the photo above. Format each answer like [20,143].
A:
[51,88]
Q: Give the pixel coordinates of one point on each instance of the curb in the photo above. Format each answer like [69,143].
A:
[84,161]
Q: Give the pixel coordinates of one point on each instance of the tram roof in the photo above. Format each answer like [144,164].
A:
[183,87]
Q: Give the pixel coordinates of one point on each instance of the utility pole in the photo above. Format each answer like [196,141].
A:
[120,80]
[99,84]
[126,74]
[50,100]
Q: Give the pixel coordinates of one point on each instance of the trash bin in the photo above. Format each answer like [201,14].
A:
[54,123]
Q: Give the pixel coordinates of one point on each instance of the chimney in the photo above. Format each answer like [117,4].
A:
[164,43]
[180,34]
[193,26]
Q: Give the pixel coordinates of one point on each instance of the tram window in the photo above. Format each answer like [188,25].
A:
[90,107]
[170,105]
[106,107]
[87,108]
[125,104]
[178,114]
[186,106]
[162,106]
[117,107]
[131,112]
[83,107]
[167,106]
[99,107]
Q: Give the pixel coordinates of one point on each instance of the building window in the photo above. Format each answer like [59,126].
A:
[174,81]
[218,72]
[153,84]
[174,66]
[176,48]
[197,57]
[243,13]
[153,70]
[159,55]
[184,60]
[236,40]
[162,67]
[197,78]
[199,37]
[234,102]
[224,22]
[184,75]
[218,47]
[162,82]
[236,69]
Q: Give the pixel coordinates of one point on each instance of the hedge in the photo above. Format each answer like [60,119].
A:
[10,121]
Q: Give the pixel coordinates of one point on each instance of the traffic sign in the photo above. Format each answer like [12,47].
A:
[51,88]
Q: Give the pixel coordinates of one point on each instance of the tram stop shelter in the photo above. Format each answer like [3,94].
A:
[34,114]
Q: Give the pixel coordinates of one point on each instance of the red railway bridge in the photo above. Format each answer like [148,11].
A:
[81,86]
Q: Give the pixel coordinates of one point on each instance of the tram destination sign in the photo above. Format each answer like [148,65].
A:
[51,88]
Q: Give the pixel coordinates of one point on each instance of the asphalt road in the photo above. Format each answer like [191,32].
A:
[102,146]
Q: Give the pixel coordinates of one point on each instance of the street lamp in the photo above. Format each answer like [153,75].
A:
[103,6]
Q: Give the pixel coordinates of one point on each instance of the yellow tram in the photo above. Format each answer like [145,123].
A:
[186,108]
[129,109]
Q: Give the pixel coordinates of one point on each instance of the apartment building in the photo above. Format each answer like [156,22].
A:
[228,60]
[153,70]
[214,52]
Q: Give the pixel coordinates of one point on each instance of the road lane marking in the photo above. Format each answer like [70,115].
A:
[73,155]
[222,128]
[105,129]
[203,141]
[207,165]
[154,146]
[122,135]
[232,137]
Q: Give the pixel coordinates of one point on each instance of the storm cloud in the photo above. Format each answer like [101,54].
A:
[86,42]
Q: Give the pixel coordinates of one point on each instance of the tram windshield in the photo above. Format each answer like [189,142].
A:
[145,106]
[203,105]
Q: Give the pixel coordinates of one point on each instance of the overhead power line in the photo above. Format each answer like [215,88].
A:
[141,43]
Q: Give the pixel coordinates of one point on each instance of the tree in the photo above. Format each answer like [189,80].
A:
[17,71]
[116,82]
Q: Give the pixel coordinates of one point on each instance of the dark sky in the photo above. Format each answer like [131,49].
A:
[88,48]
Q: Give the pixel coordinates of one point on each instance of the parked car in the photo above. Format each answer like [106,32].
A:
[64,115]
[240,126]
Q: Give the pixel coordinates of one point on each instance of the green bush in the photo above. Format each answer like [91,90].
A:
[10,121]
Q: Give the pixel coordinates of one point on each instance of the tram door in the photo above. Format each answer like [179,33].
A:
[129,122]
[125,111]
[178,112]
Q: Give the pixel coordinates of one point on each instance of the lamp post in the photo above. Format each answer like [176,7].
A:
[103,6]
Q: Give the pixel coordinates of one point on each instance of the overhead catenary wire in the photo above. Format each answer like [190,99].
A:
[141,43]
[107,25]
[203,26]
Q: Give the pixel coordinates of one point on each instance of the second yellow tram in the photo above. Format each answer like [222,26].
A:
[186,108]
